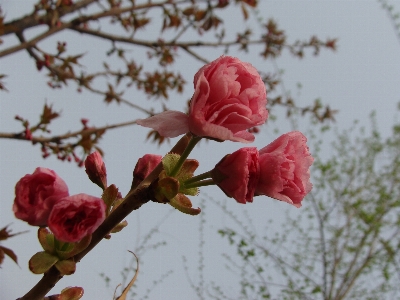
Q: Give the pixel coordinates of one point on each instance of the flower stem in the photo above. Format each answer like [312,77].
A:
[193,141]
[200,183]
[198,178]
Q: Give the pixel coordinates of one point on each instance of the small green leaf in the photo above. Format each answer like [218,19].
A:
[66,267]
[317,289]
[41,262]
[71,293]
[109,196]
[46,239]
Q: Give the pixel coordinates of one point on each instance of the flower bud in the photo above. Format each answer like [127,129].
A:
[144,166]
[96,169]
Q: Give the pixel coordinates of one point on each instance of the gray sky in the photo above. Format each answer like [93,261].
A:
[363,75]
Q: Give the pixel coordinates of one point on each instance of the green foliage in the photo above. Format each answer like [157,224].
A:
[344,243]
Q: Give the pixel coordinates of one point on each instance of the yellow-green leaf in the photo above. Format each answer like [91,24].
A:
[41,262]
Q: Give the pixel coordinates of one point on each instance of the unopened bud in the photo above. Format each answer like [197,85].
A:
[96,169]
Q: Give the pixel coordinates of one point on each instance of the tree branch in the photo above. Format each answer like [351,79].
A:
[58,138]
[133,200]
[33,19]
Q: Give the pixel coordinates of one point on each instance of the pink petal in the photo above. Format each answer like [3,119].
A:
[169,123]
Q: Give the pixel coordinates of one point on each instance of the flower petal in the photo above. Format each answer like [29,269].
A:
[169,123]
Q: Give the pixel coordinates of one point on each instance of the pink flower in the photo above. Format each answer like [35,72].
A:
[284,169]
[237,174]
[36,194]
[144,166]
[96,169]
[74,217]
[229,99]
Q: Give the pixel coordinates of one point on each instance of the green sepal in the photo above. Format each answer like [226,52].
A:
[46,239]
[169,161]
[41,262]
[168,188]
[74,248]
[186,172]
[183,204]
[189,191]
[188,168]
[66,267]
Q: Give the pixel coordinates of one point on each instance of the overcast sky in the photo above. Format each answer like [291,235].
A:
[361,76]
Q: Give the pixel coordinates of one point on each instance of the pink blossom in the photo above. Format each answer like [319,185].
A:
[284,169]
[237,174]
[144,166]
[36,194]
[74,217]
[229,99]
[96,169]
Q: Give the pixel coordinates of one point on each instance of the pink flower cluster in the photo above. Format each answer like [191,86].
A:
[279,170]
[42,199]
[229,100]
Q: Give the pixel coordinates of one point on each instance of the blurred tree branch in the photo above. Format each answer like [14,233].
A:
[118,22]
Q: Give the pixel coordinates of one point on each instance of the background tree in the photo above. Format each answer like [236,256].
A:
[344,244]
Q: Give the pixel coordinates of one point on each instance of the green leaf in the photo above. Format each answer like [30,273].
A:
[42,262]
[66,267]
[46,239]
[109,196]
[317,289]
[71,293]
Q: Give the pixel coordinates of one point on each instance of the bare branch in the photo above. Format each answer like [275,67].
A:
[33,20]
[58,138]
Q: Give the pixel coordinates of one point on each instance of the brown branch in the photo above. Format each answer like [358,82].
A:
[358,272]
[324,254]
[133,200]
[35,40]
[33,20]
[151,44]
[58,138]
[58,71]
[122,100]
[195,55]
